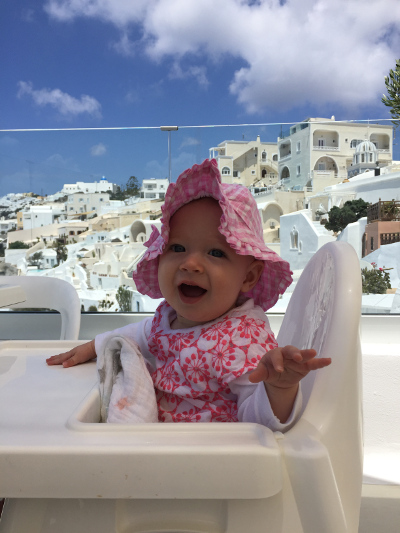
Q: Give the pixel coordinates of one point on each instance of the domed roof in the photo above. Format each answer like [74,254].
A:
[366,146]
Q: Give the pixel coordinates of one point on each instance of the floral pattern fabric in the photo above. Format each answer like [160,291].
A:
[195,366]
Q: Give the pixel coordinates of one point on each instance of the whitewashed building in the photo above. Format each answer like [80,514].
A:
[154,189]
[321,149]
[7,224]
[301,237]
[37,216]
[86,203]
[248,163]
[97,186]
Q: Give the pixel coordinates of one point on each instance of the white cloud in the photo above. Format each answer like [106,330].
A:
[98,150]
[119,12]
[190,141]
[293,52]
[199,73]
[64,103]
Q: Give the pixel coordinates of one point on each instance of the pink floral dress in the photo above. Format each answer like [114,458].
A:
[195,366]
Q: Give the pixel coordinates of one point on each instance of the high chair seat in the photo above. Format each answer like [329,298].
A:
[61,466]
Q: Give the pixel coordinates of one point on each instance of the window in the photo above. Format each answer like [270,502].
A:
[275,157]
[253,172]
[321,142]
[226,171]
[264,155]
[355,142]
[298,170]
[372,243]
[294,239]
[298,146]
[321,166]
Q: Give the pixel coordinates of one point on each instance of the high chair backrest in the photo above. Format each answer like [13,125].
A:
[50,293]
[324,314]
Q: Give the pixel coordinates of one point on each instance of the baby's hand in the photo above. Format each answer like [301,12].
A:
[285,367]
[79,354]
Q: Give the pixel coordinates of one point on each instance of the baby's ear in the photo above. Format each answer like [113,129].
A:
[254,272]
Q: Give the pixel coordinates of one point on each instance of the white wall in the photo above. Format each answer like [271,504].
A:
[310,239]
[353,234]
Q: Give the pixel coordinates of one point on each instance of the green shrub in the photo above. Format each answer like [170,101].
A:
[375,281]
[124,299]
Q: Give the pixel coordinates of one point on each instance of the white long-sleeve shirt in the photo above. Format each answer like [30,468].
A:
[201,373]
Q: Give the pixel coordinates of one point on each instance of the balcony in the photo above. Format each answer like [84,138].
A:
[390,238]
[326,148]
[285,157]
[384,211]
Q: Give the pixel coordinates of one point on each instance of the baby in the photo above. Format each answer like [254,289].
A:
[210,350]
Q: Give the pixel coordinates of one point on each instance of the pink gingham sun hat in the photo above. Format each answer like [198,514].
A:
[240,225]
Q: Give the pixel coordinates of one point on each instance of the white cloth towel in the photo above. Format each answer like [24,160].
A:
[126,388]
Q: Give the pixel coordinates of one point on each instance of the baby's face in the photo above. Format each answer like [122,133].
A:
[199,274]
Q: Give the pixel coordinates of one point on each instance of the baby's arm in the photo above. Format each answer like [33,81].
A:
[138,331]
[79,354]
[281,370]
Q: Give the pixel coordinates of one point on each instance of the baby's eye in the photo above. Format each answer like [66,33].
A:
[177,248]
[217,253]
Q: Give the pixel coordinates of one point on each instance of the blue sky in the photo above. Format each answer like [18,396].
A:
[146,63]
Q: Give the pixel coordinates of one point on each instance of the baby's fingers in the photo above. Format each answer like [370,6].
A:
[316,364]
[60,358]
[272,360]
[259,374]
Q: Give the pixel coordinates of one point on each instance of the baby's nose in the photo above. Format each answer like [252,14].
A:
[192,263]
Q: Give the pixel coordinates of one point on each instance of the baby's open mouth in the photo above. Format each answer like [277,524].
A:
[191,291]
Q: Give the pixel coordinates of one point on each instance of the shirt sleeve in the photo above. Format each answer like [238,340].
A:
[138,331]
[253,405]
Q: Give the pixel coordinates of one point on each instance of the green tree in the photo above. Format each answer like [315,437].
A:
[105,304]
[392,100]
[16,245]
[118,194]
[132,187]
[124,299]
[35,258]
[340,217]
[61,251]
[375,281]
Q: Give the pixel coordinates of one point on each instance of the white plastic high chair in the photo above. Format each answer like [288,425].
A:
[323,452]
[43,292]
[65,472]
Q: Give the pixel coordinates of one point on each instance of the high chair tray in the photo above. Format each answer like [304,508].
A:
[53,446]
